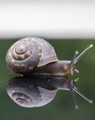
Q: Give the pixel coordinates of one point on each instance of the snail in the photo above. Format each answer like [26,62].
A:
[34,55]
[43,73]
[37,91]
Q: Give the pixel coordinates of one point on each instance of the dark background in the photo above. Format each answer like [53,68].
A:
[61,108]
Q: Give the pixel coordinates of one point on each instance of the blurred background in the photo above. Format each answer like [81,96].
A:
[68,25]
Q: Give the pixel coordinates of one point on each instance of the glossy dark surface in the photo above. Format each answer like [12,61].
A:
[62,106]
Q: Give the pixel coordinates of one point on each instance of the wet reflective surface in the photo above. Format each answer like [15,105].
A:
[62,106]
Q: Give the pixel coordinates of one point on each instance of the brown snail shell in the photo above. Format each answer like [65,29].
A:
[28,53]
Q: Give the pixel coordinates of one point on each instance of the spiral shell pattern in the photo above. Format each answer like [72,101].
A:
[24,55]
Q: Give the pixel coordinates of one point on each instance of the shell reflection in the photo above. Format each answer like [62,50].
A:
[31,91]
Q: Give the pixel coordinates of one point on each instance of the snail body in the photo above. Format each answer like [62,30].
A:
[43,73]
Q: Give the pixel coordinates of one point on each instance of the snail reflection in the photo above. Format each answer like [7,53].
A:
[36,91]
[36,58]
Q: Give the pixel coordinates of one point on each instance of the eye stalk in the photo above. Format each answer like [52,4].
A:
[74,90]
[76,58]
[82,53]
